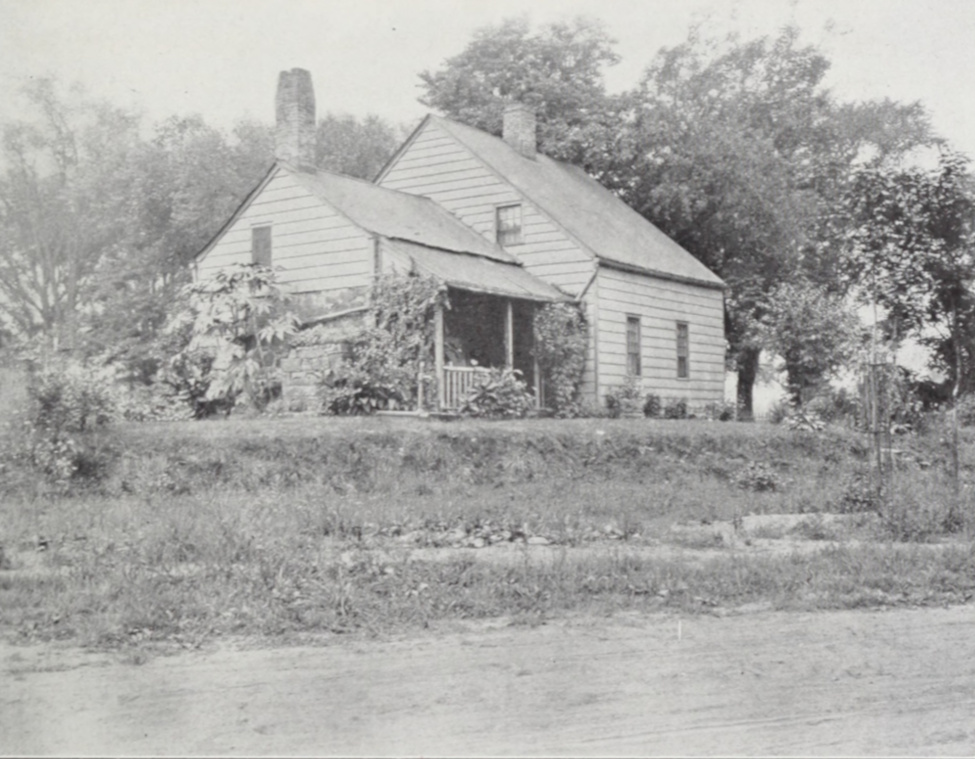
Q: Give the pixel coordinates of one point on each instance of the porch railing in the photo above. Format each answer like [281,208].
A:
[457,381]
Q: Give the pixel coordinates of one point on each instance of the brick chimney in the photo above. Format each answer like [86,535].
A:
[518,129]
[294,136]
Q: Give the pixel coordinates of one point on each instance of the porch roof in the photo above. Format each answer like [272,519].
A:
[475,273]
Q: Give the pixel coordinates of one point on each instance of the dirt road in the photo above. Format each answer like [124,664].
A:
[895,682]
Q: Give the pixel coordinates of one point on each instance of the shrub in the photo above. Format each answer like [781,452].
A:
[652,406]
[238,324]
[722,412]
[757,476]
[779,412]
[966,410]
[67,403]
[561,340]
[613,406]
[676,409]
[349,391]
[498,394]
[384,359]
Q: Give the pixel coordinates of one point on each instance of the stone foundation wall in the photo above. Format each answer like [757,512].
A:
[315,351]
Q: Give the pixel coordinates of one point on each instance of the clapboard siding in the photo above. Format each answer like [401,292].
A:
[436,166]
[660,304]
[316,248]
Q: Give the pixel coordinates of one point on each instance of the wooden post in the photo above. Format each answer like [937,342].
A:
[509,335]
[438,354]
[537,373]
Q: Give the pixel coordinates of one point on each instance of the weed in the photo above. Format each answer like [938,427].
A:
[758,477]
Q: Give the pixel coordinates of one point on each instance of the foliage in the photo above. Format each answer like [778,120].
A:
[346,145]
[814,331]
[722,412]
[675,408]
[561,340]
[239,323]
[758,477]
[558,70]
[741,155]
[67,403]
[64,196]
[498,394]
[966,410]
[911,253]
[386,358]
[652,406]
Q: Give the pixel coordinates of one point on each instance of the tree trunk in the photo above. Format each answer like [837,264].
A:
[747,372]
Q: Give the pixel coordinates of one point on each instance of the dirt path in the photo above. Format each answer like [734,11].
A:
[895,682]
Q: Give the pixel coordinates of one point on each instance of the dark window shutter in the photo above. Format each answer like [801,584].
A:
[261,245]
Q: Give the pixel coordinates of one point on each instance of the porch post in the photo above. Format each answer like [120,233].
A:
[509,334]
[438,353]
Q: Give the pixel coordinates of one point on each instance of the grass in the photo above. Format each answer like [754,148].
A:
[277,526]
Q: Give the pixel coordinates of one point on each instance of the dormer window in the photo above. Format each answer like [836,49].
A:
[508,224]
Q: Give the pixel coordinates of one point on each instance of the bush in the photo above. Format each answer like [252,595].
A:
[561,340]
[757,477]
[676,409]
[779,412]
[652,406]
[67,405]
[349,391]
[498,394]
[722,412]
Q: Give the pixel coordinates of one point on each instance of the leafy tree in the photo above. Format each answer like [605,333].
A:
[65,194]
[739,153]
[814,331]
[558,70]
[911,252]
[346,145]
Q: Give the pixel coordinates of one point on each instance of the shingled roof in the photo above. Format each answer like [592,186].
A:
[599,221]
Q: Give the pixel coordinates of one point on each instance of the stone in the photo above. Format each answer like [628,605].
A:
[538,540]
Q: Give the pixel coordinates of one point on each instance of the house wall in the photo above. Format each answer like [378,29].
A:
[660,304]
[437,166]
[317,249]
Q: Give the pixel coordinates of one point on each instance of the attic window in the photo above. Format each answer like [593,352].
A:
[261,245]
[508,224]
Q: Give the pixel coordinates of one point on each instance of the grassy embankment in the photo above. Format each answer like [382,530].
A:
[284,526]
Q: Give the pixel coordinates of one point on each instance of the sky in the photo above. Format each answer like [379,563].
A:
[221,58]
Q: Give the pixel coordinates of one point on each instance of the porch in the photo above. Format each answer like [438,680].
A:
[479,332]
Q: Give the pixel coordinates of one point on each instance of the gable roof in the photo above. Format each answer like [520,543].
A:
[602,223]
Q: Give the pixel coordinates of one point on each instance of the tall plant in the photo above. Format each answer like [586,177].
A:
[239,322]
[386,357]
[561,338]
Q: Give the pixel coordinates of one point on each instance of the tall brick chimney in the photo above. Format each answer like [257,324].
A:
[294,137]
[518,129]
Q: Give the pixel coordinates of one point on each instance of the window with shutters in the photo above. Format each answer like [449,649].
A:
[508,224]
[633,346]
[261,245]
[683,351]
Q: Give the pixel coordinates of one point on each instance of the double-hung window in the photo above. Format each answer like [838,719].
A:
[633,346]
[683,351]
[508,224]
